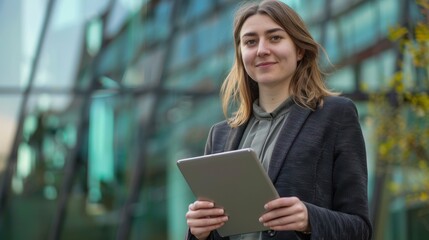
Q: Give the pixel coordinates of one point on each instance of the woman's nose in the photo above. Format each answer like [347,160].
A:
[263,49]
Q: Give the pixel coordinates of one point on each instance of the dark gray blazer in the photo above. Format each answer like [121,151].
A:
[320,158]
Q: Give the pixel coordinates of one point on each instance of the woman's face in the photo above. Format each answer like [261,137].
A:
[269,55]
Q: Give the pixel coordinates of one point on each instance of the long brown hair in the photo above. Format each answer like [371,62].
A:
[307,87]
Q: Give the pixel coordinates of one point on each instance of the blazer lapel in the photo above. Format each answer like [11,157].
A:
[234,138]
[289,131]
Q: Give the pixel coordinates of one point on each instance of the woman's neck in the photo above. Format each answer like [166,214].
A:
[271,98]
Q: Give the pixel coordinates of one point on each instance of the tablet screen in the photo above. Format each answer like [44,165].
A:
[235,181]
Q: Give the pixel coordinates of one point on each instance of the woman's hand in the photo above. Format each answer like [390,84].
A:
[202,218]
[288,213]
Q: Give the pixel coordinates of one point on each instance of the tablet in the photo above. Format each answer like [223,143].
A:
[235,181]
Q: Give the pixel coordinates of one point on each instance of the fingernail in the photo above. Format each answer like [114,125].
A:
[260,219]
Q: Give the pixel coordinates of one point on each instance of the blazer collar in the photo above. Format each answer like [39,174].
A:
[288,133]
[234,137]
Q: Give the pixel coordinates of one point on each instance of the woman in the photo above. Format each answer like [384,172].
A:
[308,139]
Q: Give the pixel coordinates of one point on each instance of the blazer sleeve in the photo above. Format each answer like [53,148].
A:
[209,143]
[348,218]
[213,236]
[208,150]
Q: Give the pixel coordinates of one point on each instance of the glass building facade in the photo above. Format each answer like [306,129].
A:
[98,99]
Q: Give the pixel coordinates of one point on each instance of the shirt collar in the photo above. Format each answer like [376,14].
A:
[281,110]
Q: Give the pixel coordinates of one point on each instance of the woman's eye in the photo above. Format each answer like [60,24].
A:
[275,38]
[249,42]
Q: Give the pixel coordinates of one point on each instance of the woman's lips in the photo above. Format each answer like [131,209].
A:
[265,64]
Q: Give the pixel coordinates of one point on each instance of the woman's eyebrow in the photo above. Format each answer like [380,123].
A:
[274,30]
[269,31]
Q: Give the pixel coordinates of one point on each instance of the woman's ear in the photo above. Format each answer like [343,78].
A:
[300,54]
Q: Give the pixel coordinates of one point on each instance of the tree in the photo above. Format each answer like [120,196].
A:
[401,116]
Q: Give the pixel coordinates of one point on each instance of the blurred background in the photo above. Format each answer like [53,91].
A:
[99,98]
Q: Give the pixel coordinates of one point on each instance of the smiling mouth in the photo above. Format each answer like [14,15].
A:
[265,64]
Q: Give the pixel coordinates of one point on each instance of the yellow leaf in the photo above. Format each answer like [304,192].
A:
[422,164]
[394,187]
[424,196]
[396,33]
[364,87]
[423,3]
[422,32]
[383,150]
